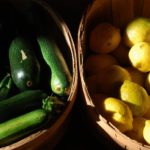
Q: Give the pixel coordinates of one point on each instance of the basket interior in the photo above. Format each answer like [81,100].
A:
[60,32]
[118,13]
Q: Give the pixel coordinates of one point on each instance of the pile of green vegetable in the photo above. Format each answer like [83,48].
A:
[35,83]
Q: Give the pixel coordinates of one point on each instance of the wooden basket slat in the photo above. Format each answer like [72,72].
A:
[138,7]
[146,8]
[99,11]
[122,11]
[119,12]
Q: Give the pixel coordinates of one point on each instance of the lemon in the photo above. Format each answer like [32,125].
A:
[121,54]
[98,62]
[136,97]
[139,56]
[104,38]
[147,82]
[147,113]
[114,110]
[98,99]
[137,132]
[136,75]
[138,30]
[117,112]
[108,81]
[146,131]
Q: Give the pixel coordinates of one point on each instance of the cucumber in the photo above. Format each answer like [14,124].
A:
[19,103]
[60,74]
[25,68]
[21,123]
[5,86]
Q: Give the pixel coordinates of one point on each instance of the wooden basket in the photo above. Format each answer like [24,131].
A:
[119,13]
[49,137]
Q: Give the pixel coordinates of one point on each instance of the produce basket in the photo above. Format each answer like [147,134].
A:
[48,136]
[118,13]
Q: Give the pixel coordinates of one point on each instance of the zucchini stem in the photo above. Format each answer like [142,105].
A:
[52,104]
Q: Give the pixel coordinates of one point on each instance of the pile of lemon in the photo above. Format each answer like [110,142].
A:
[118,75]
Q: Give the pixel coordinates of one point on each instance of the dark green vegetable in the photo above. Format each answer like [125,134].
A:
[60,75]
[19,103]
[5,86]
[25,68]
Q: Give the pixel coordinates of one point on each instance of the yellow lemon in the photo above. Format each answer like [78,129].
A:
[104,38]
[98,100]
[139,56]
[121,54]
[146,131]
[108,81]
[98,62]
[138,30]
[147,113]
[137,132]
[136,75]
[117,112]
[136,97]
[147,83]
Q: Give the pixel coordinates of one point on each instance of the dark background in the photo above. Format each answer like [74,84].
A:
[80,135]
[71,12]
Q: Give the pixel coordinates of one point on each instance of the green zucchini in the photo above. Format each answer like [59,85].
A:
[60,74]
[19,103]
[21,123]
[25,124]
[25,68]
[5,86]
